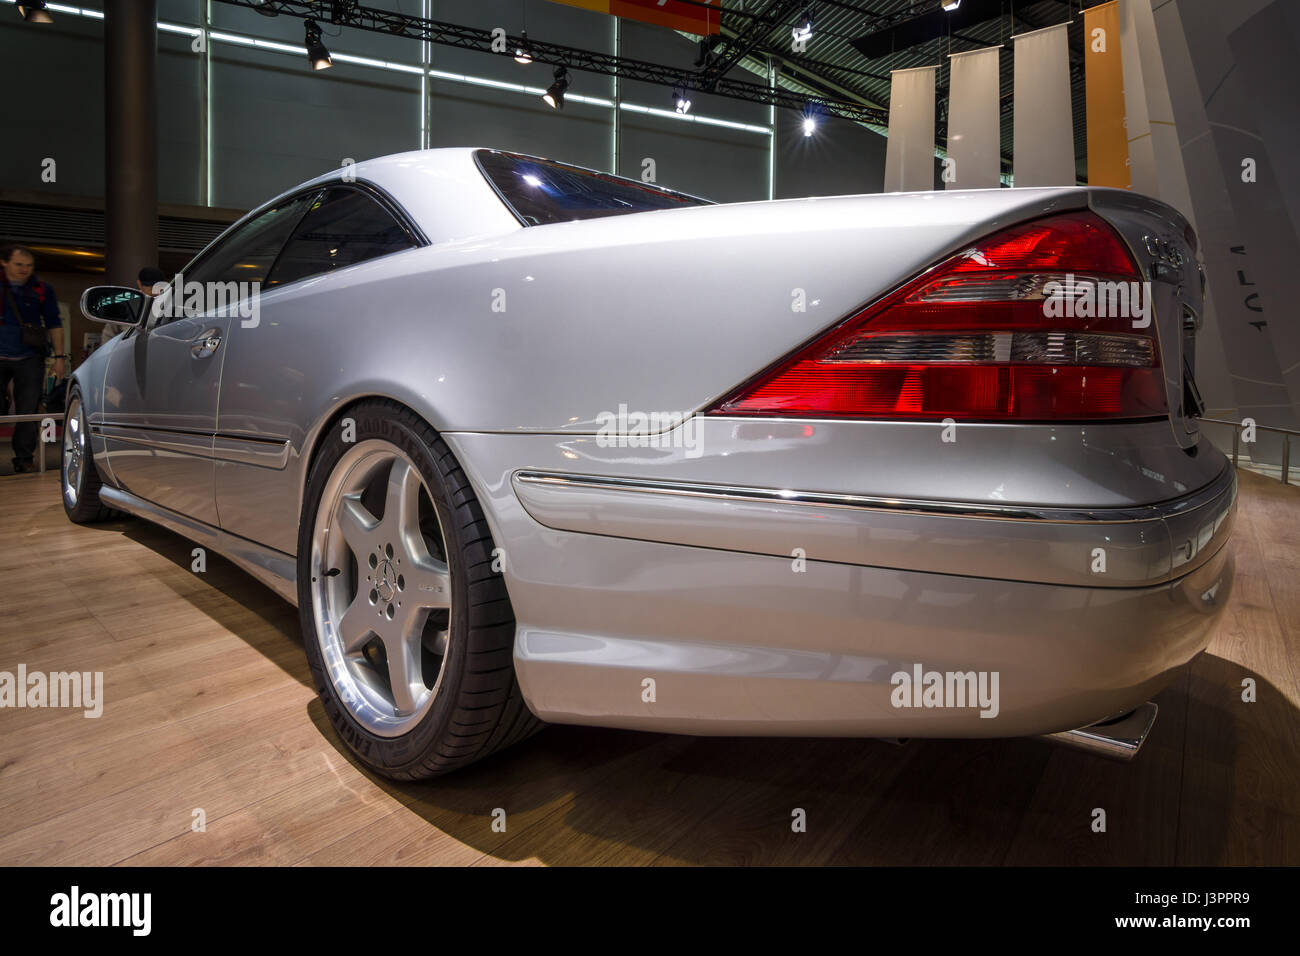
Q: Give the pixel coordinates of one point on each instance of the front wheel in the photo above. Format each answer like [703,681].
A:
[408,629]
[80,481]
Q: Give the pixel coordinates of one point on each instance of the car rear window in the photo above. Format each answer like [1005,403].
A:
[540,191]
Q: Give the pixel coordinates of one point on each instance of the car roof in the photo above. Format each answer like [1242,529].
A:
[442,190]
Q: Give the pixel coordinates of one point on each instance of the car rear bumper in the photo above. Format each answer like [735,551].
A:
[668,607]
[737,645]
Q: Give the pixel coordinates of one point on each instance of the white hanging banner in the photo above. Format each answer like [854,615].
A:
[974,124]
[909,149]
[1043,124]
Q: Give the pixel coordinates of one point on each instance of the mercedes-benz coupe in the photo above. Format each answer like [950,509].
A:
[527,442]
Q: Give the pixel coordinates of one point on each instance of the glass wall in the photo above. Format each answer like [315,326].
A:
[246,118]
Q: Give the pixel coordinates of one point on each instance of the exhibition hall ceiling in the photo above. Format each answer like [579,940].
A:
[898,34]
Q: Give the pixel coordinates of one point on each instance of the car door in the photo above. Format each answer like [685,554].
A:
[162,383]
[272,368]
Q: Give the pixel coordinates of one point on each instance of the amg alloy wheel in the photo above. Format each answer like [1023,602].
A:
[381,588]
[79,479]
[417,678]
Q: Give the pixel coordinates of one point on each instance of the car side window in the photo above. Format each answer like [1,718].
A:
[247,254]
[343,227]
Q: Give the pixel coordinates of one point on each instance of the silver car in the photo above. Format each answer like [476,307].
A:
[526,442]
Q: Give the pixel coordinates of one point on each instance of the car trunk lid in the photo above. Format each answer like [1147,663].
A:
[1164,245]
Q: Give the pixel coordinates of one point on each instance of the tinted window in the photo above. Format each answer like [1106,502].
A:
[246,254]
[539,191]
[343,227]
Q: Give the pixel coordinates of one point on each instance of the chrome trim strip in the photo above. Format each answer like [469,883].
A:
[277,571]
[262,452]
[963,509]
[185,443]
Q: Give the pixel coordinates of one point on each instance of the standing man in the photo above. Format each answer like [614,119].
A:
[30,310]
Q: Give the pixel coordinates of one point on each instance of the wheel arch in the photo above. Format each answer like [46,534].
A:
[337,411]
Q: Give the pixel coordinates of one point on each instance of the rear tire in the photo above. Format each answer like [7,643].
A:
[409,631]
[79,479]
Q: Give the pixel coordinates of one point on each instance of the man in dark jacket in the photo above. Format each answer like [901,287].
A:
[26,300]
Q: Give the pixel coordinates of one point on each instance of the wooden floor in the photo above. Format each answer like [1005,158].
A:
[208,707]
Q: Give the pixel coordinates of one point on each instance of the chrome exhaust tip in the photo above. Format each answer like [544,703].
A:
[1119,737]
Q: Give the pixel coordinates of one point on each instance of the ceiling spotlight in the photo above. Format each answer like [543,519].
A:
[803,27]
[554,95]
[522,54]
[316,52]
[681,101]
[34,12]
[950,5]
[809,121]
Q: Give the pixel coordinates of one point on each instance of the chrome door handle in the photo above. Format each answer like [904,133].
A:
[206,343]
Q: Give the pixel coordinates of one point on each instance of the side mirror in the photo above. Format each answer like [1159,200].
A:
[113,303]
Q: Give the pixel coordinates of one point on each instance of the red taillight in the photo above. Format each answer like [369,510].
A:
[1071,242]
[1047,320]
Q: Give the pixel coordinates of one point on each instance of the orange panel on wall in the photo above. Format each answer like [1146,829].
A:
[688,17]
[1104,98]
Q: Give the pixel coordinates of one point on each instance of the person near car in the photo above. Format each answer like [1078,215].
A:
[148,279]
[26,301]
